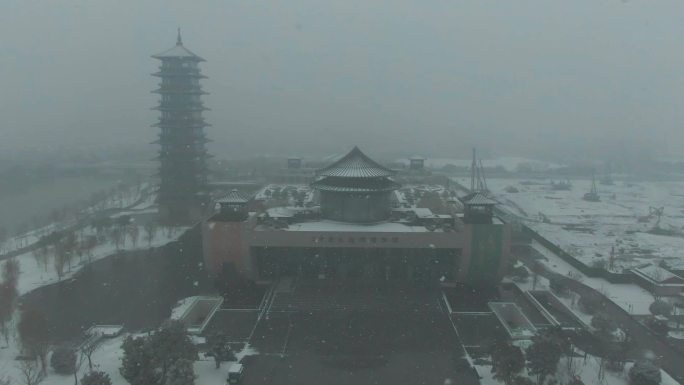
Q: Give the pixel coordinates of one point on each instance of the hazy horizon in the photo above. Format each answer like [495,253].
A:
[528,78]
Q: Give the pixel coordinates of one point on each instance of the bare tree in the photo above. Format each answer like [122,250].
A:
[3,237]
[59,263]
[69,245]
[10,272]
[88,348]
[536,269]
[88,245]
[8,299]
[134,233]
[116,236]
[31,374]
[150,232]
[33,333]
[40,254]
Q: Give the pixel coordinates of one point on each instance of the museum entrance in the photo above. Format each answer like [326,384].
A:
[357,264]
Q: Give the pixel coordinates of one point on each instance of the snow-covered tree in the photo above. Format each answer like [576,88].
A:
[63,360]
[137,363]
[543,357]
[149,360]
[522,380]
[219,348]
[507,361]
[170,344]
[644,373]
[559,286]
[603,324]
[590,304]
[660,307]
[96,378]
[181,372]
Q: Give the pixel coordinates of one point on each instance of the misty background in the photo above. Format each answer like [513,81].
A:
[549,79]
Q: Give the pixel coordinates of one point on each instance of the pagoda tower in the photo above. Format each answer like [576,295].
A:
[183,194]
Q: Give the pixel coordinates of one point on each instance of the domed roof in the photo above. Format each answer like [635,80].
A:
[234,197]
[355,164]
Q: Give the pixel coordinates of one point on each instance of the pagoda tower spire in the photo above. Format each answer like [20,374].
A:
[183,193]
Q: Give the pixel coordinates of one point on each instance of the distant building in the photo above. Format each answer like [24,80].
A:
[294,172]
[294,163]
[183,188]
[354,230]
[417,163]
[659,281]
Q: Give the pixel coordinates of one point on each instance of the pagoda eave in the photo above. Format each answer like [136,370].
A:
[177,74]
[181,126]
[180,109]
[353,190]
[184,92]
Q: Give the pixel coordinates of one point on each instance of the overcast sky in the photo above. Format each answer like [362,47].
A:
[407,76]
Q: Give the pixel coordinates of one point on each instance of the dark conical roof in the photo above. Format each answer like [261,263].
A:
[178,52]
[355,164]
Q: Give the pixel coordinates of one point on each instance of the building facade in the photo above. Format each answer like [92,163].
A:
[354,232]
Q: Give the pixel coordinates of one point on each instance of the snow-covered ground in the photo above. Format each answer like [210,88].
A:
[509,164]
[631,297]
[34,274]
[588,230]
[586,369]
[37,270]
[119,200]
[107,358]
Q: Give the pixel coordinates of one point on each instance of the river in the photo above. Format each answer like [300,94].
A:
[38,200]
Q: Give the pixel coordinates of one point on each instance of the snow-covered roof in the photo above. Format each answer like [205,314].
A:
[355,185]
[356,164]
[513,320]
[104,330]
[477,198]
[658,274]
[178,51]
[281,212]
[328,225]
[234,197]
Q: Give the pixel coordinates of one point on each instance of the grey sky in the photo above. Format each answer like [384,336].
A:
[433,77]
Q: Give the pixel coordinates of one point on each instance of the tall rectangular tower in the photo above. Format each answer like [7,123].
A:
[183,195]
